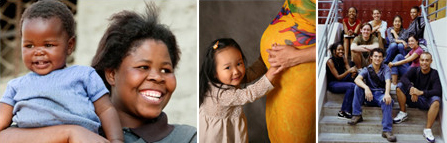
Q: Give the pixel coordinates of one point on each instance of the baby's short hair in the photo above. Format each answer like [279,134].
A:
[47,9]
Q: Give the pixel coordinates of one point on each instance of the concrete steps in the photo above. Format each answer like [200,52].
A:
[370,138]
[332,129]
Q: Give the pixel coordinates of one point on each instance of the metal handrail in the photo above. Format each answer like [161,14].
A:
[434,49]
[435,12]
[327,30]
[431,3]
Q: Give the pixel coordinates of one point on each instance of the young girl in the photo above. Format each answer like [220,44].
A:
[351,27]
[221,116]
[397,46]
[340,79]
[53,94]
[400,65]
[379,26]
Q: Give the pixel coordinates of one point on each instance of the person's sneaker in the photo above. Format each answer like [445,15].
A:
[393,89]
[389,136]
[344,115]
[401,116]
[429,135]
[355,119]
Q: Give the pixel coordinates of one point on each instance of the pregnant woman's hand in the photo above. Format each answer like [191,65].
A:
[285,56]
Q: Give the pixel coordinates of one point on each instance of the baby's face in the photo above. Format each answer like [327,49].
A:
[230,66]
[145,80]
[45,45]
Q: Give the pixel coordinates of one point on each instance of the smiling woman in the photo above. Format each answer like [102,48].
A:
[136,58]
[144,81]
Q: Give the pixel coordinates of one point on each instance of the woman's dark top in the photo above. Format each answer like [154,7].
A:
[339,65]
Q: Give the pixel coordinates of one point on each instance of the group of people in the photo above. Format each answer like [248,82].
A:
[373,74]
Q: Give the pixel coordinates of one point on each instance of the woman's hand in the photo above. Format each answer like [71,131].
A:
[352,70]
[284,56]
[405,44]
[350,32]
[390,64]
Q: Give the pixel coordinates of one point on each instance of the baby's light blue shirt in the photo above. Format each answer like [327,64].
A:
[64,96]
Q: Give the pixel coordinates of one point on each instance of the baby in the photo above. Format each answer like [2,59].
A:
[54,94]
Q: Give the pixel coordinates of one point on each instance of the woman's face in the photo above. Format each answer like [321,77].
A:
[376,15]
[366,32]
[397,23]
[339,52]
[413,13]
[412,43]
[144,82]
[352,13]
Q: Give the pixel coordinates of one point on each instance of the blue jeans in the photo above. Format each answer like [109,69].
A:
[344,86]
[393,50]
[401,69]
[359,98]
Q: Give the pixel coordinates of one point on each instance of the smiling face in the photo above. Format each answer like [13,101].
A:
[412,42]
[377,58]
[366,32]
[230,68]
[413,13]
[339,52]
[144,82]
[425,61]
[45,45]
[376,14]
[397,23]
[352,13]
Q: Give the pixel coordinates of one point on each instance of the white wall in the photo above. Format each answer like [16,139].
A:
[439,33]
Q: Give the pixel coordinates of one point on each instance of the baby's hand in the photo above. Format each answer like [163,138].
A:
[271,73]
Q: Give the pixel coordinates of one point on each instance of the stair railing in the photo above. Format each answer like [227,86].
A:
[327,31]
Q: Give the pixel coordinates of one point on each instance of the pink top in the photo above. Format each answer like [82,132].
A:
[351,26]
[415,62]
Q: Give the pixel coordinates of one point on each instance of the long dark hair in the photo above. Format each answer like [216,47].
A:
[208,68]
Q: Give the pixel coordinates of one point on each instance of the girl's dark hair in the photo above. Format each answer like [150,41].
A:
[415,38]
[47,9]
[208,72]
[333,47]
[353,8]
[126,32]
[416,7]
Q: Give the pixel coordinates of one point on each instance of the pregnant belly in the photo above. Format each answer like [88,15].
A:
[290,108]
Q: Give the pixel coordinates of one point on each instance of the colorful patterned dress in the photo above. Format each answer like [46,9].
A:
[290,109]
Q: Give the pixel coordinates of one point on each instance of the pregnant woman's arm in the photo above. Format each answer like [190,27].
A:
[284,56]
